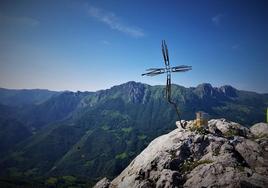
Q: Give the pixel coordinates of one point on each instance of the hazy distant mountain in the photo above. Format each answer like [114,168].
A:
[96,134]
[19,97]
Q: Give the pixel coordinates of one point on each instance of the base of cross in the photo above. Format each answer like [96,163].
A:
[181,124]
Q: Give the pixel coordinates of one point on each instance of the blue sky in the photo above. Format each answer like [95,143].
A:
[92,45]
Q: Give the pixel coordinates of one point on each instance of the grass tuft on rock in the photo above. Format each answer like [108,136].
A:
[190,165]
[231,133]
[200,130]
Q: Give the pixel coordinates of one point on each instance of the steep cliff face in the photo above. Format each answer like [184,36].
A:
[226,154]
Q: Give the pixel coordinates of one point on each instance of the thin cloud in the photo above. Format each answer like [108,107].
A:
[23,20]
[217,19]
[105,42]
[114,22]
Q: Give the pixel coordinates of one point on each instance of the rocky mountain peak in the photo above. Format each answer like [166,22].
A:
[225,154]
[133,84]
[204,86]
[228,91]
[134,90]
[205,89]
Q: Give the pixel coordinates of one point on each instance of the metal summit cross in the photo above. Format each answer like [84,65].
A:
[168,70]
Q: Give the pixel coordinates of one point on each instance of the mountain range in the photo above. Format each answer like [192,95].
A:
[78,137]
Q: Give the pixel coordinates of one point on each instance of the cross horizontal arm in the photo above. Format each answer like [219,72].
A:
[154,72]
[154,69]
[182,68]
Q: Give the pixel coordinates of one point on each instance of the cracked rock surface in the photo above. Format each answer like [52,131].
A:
[226,154]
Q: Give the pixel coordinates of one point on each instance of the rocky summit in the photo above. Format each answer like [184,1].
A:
[224,154]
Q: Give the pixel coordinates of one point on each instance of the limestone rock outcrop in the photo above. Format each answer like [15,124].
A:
[259,129]
[226,154]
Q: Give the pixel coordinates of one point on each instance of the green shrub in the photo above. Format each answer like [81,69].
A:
[142,137]
[121,156]
[105,127]
[127,130]
[51,181]
[69,179]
